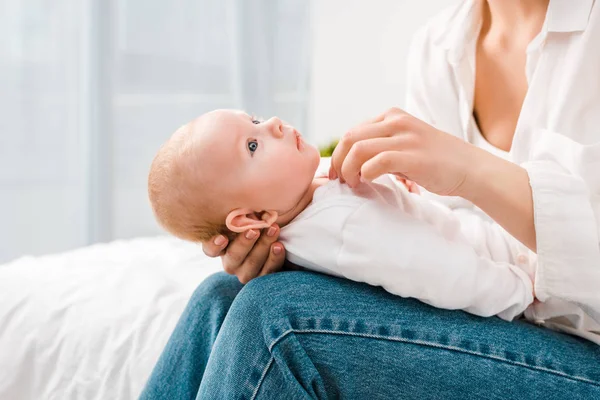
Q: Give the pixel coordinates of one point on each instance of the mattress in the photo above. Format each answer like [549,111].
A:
[91,323]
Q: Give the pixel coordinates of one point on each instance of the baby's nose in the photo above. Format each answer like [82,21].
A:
[276,127]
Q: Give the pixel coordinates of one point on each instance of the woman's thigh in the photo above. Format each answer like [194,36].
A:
[306,335]
[180,368]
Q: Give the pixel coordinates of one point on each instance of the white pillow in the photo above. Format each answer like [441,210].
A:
[91,323]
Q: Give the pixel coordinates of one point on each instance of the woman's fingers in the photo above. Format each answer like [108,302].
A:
[349,140]
[413,187]
[346,142]
[258,256]
[250,254]
[386,162]
[215,246]
[238,250]
[253,254]
[391,123]
[275,261]
[365,150]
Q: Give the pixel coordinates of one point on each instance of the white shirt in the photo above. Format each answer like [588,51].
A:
[557,140]
[381,234]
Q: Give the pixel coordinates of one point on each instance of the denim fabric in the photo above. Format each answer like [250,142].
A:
[302,335]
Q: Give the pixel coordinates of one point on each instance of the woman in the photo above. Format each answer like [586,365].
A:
[520,79]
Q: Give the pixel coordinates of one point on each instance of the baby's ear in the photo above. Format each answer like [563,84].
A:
[243,219]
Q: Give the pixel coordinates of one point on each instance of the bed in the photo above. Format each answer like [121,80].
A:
[91,323]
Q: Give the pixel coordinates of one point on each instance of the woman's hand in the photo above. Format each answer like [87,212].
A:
[251,254]
[400,144]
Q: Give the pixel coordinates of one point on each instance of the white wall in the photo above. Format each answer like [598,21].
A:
[358,59]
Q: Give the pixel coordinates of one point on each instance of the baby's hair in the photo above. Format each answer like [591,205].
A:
[181,202]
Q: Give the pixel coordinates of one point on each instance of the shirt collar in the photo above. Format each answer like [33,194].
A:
[562,16]
[464,28]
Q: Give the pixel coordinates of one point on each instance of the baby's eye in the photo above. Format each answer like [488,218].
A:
[252,146]
[256,121]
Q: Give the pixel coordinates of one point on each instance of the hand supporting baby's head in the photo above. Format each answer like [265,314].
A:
[226,172]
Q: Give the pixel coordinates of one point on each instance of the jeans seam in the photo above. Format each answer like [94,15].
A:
[419,342]
[262,376]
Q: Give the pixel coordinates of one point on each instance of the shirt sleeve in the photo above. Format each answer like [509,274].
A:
[565,180]
[384,246]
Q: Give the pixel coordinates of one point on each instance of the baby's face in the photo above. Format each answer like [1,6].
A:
[261,165]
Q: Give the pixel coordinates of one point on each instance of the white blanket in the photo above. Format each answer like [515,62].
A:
[91,323]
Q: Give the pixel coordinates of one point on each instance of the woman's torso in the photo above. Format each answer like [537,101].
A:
[560,109]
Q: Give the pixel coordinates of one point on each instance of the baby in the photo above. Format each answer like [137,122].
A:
[227,172]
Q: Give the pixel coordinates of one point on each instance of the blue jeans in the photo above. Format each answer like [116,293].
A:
[302,335]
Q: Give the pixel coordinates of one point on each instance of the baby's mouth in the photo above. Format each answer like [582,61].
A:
[298,140]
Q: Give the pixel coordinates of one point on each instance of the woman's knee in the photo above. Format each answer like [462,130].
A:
[219,288]
[276,303]
[266,295]
[281,287]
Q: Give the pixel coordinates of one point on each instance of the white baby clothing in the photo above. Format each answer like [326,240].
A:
[381,234]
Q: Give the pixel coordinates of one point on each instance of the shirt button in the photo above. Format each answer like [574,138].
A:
[522,259]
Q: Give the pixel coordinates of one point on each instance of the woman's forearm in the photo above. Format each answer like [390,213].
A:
[501,189]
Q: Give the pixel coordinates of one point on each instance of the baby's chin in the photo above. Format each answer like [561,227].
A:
[315,156]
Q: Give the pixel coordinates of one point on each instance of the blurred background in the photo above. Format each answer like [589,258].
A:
[89,89]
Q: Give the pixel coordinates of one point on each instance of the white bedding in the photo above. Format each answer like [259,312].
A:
[91,323]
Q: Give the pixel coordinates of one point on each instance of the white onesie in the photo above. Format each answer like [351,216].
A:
[381,234]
